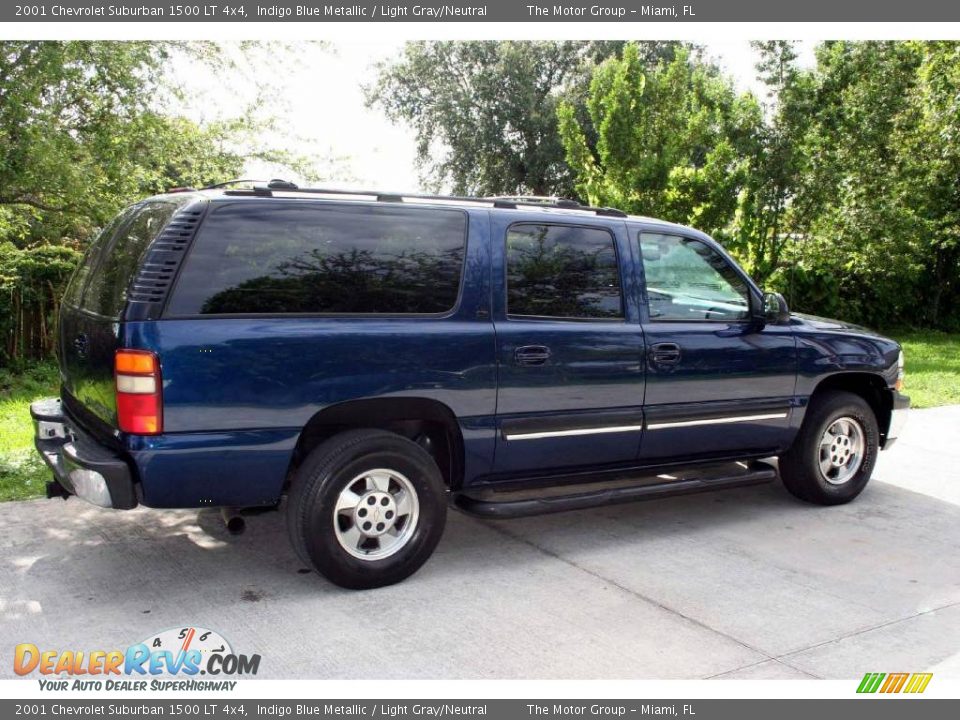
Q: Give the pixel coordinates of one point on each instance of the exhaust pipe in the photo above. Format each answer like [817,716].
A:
[233,521]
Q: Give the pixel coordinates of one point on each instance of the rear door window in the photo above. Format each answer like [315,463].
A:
[300,257]
[562,271]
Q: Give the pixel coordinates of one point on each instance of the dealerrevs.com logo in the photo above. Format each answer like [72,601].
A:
[174,659]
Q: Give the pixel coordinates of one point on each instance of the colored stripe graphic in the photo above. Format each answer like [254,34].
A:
[894,682]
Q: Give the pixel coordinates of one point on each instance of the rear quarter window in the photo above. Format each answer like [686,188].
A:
[91,258]
[260,258]
[106,292]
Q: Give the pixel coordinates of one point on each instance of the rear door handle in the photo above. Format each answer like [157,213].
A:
[531,355]
[666,353]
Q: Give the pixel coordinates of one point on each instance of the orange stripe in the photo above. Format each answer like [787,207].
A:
[894,682]
[186,640]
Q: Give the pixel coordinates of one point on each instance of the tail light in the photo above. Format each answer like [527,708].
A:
[139,392]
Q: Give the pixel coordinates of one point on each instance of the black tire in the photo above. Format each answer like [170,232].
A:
[800,466]
[327,471]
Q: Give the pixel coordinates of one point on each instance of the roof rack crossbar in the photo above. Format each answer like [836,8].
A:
[510,202]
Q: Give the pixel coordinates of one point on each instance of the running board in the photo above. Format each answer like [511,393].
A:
[513,504]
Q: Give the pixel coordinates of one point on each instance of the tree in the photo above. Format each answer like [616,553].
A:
[84,131]
[859,251]
[927,137]
[774,162]
[671,140]
[485,113]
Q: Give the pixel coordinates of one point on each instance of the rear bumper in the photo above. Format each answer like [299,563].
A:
[81,465]
[898,417]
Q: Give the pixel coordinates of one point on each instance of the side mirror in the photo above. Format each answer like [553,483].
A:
[775,310]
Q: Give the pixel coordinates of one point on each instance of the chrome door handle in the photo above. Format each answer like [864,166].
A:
[531,355]
[666,353]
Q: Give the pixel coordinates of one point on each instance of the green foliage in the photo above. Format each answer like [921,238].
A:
[669,139]
[85,131]
[932,366]
[842,189]
[22,472]
[877,206]
[485,113]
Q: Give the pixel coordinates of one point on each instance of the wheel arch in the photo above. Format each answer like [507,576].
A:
[429,423]
[869,386]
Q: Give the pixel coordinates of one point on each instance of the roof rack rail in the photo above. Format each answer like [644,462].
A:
[228,183]
[550,200]
[262,189]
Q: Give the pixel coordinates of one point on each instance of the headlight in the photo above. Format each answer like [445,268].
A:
[900,373]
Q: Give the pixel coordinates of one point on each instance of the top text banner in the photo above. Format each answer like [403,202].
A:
[492,11]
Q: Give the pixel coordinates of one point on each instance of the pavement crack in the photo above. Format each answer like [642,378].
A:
[628,590]
[799,669]
[861,631]
[761,662]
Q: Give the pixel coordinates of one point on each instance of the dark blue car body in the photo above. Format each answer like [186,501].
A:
[244,396]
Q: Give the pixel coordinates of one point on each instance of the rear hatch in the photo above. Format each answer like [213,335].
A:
[93,308]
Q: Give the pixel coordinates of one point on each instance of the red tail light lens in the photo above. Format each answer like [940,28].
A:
[139,392]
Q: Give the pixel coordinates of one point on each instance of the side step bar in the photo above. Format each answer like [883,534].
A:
[521,504]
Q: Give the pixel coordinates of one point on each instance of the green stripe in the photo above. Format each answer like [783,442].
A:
[871,682]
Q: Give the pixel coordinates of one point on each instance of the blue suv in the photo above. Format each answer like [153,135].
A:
[372,358]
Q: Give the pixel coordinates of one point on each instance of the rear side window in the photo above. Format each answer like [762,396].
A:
[106,291]
[562,271]
[309,258]
[78,283]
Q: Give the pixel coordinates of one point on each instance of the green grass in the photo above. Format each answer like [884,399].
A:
[22,472]
[932,362]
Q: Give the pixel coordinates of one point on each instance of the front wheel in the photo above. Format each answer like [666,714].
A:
[366,508]
[833,456]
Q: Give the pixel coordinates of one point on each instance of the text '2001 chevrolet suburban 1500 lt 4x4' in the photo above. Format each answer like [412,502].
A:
[374,357]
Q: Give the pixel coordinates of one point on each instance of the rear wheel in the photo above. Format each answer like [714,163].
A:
[366,508]
[832,458]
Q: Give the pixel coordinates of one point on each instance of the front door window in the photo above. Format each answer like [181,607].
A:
[687,280]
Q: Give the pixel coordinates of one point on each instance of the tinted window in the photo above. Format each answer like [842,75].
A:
[562,271]
[74,293]
[688,280]
[309,258]
[107,290]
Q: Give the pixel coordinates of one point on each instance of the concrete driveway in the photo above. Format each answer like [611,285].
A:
[744,583]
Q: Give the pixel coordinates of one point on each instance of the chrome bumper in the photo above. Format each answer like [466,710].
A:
[81,466]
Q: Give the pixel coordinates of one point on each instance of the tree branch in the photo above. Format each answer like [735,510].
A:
[33,202]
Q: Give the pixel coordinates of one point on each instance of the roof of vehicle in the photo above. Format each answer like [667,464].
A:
[548,205]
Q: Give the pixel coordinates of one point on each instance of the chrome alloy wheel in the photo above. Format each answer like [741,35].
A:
[376,514]
[842,448]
